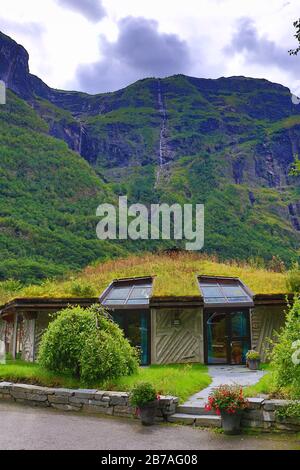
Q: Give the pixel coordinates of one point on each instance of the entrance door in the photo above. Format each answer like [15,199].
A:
[227,336]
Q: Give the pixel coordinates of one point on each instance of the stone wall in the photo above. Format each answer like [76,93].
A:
[261,415]
[177,335]
[90,401]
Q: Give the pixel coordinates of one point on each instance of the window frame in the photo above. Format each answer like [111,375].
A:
[139,302]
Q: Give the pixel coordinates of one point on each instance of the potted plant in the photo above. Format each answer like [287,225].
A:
[253,359]
[144,397]
[229,402]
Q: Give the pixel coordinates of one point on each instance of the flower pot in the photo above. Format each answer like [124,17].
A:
[148,413]
[231,422]
[253,364]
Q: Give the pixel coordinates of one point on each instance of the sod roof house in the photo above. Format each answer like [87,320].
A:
[176,309]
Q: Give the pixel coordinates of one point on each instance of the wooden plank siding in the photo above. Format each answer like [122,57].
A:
[265,320]
[173,343]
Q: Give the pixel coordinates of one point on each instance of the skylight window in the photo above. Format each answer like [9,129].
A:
[224,291]
[125,293]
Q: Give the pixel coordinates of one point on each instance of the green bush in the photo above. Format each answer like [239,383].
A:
[81,289]
[142,394]
[253,355]
[87,344]
[293,278]
[286,370]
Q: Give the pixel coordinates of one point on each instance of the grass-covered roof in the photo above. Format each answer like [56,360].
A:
[174,275]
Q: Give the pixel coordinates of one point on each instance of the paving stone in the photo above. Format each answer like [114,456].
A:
[269,416]
[5,396]
[31,389]
[63,392]
[124,411]
[79,400]
[182,418]
[27,402]
[58,399]
[28,396]
[102,404]
[5,387]
[256,415]
[98,409]
[119,400]
[255,403]
[84,393]
[99,395]
[65,407]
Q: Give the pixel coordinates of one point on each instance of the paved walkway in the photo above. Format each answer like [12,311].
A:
[228,375]
[41,428]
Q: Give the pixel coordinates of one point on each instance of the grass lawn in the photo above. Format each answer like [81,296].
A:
[182,380]
[264,386]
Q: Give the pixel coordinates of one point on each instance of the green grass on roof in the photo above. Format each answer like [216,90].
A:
[175,275]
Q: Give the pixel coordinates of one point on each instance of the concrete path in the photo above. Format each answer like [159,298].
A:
[43,429]
[226,375]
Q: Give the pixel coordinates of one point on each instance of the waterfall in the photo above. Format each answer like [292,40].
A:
[82,132]
[163,113]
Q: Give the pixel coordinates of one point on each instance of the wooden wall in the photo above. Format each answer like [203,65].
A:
[177,344]
[265,320]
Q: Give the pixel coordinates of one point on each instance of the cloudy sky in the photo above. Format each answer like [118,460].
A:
[97,46]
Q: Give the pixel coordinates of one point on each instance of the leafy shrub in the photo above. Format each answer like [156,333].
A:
[292,410]
[253,355]
[293,278]
[81,289]
[286,370]
[87,344]
[11,285]
[142,394]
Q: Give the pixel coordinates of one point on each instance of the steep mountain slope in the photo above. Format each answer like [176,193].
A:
[48,199]
[229,143]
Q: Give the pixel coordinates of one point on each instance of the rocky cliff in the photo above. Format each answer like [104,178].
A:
[229,143]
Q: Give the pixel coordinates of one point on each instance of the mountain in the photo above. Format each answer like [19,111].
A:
[229,143]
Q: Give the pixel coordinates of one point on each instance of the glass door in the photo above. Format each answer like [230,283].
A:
[239,336]
[227,336]
[217,338]
[136,326]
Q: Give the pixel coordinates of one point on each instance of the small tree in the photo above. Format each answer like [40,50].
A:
[88,344]
[286,368]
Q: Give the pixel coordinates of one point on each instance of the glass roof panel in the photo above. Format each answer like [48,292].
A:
[233,291]
[212,291]
[118,293]
[140,292]
[224,291]
[132,293]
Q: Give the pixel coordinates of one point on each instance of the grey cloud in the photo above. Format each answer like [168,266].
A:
[93,10]
[259,49]
[29,28]
[140,51]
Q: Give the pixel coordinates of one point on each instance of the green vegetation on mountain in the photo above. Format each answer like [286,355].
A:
[48,198]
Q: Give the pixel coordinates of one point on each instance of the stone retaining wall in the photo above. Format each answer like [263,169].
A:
[91,401]
[261,414]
